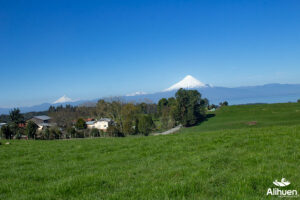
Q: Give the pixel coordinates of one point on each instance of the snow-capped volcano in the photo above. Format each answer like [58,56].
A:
[187,83]
[63,99]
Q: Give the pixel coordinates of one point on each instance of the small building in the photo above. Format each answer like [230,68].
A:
[43,121]
[2,124]
[101,124]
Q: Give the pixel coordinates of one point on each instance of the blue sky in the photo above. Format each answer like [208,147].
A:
[91,49]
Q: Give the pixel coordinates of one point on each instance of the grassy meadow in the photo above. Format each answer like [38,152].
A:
[225,157]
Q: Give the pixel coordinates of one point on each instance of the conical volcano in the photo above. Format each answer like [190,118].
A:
[187,83]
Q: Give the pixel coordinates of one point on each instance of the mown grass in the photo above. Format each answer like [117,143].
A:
[239,163]
[239,116]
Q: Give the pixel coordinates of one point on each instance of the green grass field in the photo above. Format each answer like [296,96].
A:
[222,158]
[233,117]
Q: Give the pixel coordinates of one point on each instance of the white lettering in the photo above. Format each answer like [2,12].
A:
[269,191]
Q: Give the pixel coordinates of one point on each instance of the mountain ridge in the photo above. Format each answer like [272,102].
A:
[267,93]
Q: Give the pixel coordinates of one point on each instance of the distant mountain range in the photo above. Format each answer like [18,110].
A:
[269,93]
[40,107]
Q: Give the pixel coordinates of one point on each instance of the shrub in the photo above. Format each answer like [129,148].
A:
[71,132]
[95,132]
[225,103]
[128,127]
[79,134]
[6,132]
[31,129]
[55,133]
[113,131]
[145,124]
[102,133]
[45,135]
[80,124]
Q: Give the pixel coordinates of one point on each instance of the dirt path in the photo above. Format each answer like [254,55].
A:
[173,130]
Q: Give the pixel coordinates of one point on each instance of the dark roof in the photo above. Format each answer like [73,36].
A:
[42,117]
[105,119]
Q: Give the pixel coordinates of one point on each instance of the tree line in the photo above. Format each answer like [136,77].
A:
[187,108]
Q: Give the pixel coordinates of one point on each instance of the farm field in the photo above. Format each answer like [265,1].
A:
[225,157]
[245,116]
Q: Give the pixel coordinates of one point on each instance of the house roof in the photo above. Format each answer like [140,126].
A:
[105,119]
[90,123]
[89,119]
[100,120]
[42,117]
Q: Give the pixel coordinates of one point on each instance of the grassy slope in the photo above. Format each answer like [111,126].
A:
[233,117]
[226,164]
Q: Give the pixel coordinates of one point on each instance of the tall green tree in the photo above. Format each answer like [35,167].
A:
[171,101]
[189,107]
[31,129]
[102,108]
[128,127]
[80,124]
[128,117]
[162,104]
[145,124]
[16,116]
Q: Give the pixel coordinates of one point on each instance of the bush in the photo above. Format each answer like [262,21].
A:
[55,133]
[45,134]
[71,132]
[113,131]
[298,101]
[80,124]
[225,103]
[95,132]
[31,129]
[6,132]
[128,127]
[79,134]
[145,124]
[102,133]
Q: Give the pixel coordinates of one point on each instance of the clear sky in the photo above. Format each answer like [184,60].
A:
[90,49]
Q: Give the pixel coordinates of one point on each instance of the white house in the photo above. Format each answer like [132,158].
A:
[101,124]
